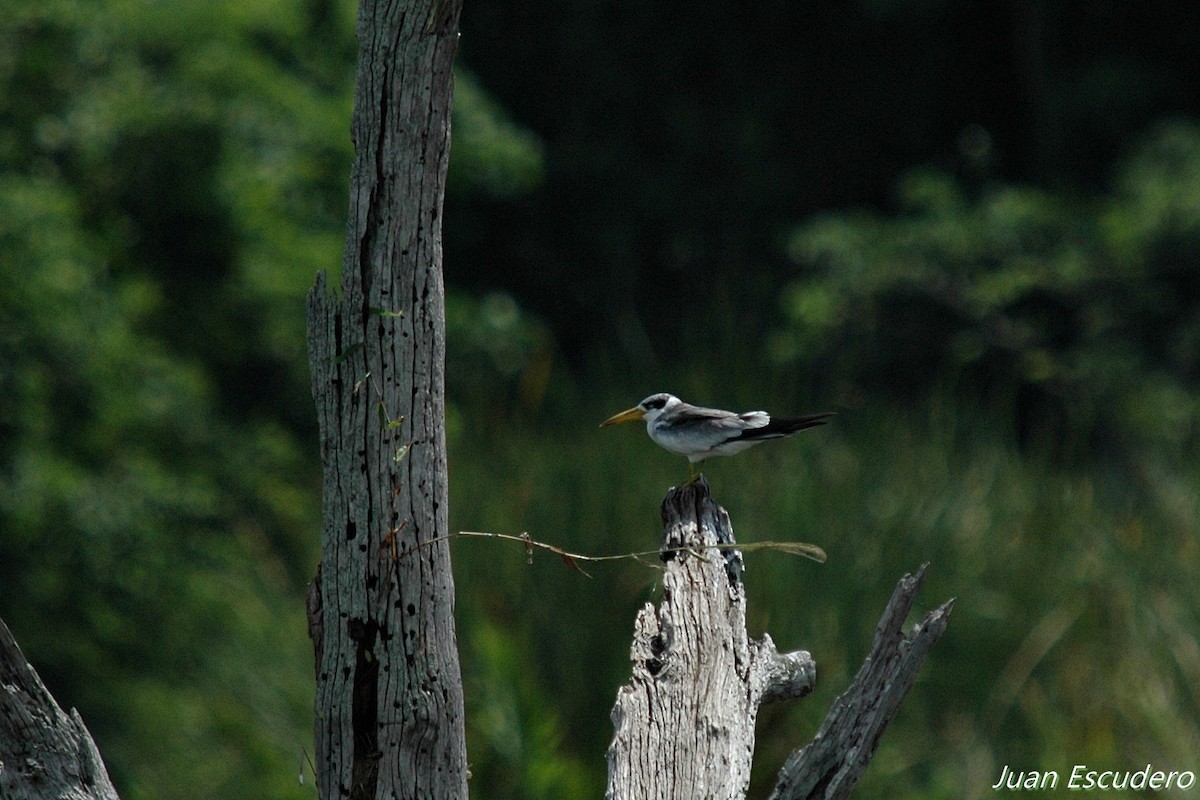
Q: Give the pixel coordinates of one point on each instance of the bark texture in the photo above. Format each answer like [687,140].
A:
[829,767]
[389,705]
[44,751]
[684,724]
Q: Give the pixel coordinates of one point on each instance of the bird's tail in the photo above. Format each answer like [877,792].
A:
[784,426]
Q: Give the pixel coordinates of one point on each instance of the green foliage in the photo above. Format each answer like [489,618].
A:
[516,738]
[1057,610]
[492,155]
[677,162]
[157,510]
[1016,296]
[172,174]
[145,539]
[499,345]
[1070,640]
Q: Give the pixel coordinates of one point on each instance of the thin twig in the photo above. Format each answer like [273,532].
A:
[792,548]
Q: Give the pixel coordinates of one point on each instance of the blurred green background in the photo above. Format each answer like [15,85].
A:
[971,228]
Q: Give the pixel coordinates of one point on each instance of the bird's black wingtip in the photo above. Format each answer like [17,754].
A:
[787,425]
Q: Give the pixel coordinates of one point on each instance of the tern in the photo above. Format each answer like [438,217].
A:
[699,433]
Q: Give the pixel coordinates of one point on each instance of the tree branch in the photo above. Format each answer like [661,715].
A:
[44,752]
[829,767]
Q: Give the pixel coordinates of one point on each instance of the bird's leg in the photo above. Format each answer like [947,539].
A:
[694,473]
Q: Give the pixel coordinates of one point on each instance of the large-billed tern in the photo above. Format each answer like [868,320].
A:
[699,433]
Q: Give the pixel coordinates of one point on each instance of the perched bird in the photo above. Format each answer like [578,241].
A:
[698,432]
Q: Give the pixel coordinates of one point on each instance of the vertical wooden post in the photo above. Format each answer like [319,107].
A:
[684,724]
[389,701]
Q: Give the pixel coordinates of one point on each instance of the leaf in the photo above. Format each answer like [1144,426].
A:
[792,548]
[385,313]
[570,562]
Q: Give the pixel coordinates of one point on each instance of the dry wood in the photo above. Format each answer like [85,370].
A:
[389,703]
[44,751]
[685,721]
[684,724]
[830,766]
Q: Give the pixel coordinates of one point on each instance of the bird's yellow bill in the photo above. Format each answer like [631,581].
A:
[632,415]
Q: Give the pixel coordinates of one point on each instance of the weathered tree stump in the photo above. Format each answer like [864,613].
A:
[684,724]
[44,751]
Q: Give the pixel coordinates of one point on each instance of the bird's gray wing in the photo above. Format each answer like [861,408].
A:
[697,417]
[715,426]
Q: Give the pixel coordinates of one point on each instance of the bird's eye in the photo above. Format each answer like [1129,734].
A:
[655,402]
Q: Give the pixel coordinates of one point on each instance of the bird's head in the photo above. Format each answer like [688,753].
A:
[649,409]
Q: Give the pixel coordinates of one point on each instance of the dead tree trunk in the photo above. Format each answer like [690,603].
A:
[684,724]
[44,751]
[389,705]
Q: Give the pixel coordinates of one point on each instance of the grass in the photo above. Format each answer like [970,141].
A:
[1072,641]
